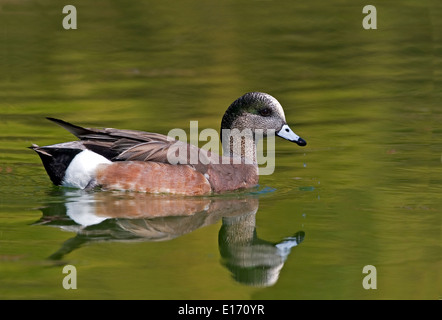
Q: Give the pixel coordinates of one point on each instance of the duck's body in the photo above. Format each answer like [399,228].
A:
[140,161]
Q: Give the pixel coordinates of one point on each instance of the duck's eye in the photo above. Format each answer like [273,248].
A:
[265,112]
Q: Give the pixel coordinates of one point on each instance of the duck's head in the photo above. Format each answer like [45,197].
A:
[257,110]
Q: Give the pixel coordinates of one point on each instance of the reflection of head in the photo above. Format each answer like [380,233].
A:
[253,265]
[252,261]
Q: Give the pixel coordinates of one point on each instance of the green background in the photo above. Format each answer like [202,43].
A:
[365,190]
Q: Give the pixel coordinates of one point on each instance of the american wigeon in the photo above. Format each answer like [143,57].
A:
[140,161]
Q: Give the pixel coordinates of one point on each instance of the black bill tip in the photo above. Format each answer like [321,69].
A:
[301,142]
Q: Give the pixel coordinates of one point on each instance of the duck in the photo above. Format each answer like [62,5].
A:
[132,160]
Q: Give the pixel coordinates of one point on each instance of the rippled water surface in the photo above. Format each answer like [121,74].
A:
[364,191]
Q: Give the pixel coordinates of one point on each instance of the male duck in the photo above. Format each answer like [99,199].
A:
[141,161]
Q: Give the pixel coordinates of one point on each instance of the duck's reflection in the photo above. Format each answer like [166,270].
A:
[111,216]
[251,260]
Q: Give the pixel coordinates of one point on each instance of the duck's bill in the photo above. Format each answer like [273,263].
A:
[289,135]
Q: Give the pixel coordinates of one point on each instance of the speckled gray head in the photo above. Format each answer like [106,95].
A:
[258,110]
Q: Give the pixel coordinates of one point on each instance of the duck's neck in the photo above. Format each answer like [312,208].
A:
[240,144]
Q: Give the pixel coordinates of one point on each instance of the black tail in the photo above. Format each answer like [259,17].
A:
[56,159]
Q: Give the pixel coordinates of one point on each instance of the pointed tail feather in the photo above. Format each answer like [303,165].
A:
[83,133]
[77,131]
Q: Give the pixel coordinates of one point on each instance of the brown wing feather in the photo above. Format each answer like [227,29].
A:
[123,145]
[132,145]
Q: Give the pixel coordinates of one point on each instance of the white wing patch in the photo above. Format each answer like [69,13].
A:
[81,170]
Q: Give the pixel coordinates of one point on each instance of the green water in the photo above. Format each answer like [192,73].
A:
[364,191]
